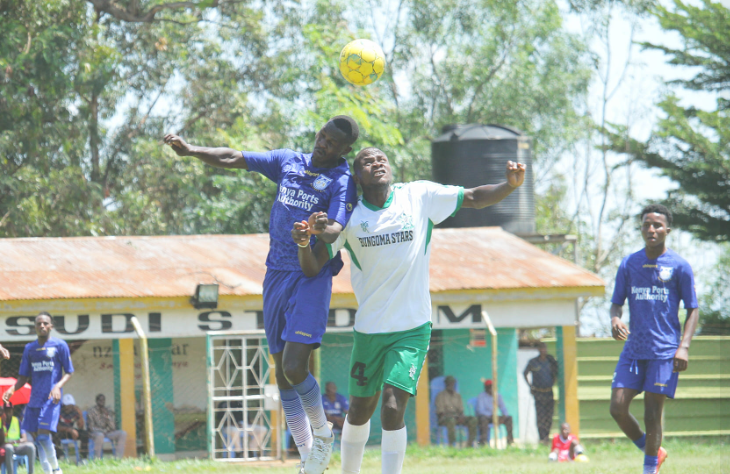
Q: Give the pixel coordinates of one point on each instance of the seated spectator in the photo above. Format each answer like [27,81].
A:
[15,441]
[566,447]
[234,432]
[484,409]
[335,406]
[71,422]
[102,424]
[450,412]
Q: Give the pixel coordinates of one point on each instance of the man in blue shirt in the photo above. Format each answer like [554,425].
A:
[335,406]
[315,187]
[44,361]
[485,407]
[654,279]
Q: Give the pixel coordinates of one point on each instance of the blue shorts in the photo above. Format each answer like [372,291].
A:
[41,418]
[296,308]
[646,375]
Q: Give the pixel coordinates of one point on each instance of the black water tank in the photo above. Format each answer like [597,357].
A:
[472,155]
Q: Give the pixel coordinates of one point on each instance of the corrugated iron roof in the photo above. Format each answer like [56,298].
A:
[171,266]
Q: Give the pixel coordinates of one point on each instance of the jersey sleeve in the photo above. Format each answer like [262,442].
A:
[687,287]
[619,288]
[343,200]
[440,201]
[24,369]
[269,163]
[338,244]
[65,356]
[345,404]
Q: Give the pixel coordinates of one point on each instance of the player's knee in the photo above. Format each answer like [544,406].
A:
[617,410]
[294,372]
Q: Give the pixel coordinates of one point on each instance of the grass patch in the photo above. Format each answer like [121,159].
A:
[686,456]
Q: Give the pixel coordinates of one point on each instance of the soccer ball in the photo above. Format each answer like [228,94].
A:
[362,62]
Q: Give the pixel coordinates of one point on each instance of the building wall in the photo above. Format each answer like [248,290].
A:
[470,364]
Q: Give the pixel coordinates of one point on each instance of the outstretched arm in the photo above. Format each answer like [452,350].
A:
[220,157]
[681,357]
[4,353]
[310,259]
[489,194]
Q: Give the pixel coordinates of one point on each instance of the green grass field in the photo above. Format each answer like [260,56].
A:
[686,456]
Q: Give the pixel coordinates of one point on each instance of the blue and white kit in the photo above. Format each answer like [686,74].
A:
[296,307]
[654,288]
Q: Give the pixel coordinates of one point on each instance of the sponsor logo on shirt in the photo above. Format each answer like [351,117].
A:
[665,273]
[653,293]
[43,366]
[297,198]
[321,182]
[386,239]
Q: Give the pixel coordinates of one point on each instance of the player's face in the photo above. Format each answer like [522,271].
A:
[327,146]
[374,169]
[43,326]
[564,430]
[654,229]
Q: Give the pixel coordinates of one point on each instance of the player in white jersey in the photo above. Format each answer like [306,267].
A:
[388,238]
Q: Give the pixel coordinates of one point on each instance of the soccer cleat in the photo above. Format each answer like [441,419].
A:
[300,468]
[662,455]
[321,453]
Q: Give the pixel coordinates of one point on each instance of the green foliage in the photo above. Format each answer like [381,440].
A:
[90,87]
[690,146]
[715,304]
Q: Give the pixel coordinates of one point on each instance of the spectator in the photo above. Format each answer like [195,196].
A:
[71,422]
[234,432]
[544,369]
[450,412]
[484,409]
[103,425]
[566,446]
[15,439]
[335,406]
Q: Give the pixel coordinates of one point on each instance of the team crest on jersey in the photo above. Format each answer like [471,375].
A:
[406,222]
[321,182]
[51,352]
[665,273]
[364,226]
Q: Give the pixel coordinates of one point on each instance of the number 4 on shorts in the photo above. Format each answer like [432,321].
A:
[358,373]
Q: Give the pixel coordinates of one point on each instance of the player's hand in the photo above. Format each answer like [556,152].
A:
[681,358]
[178,145]
[8,393]
[317,223]
[619,330]
[300,233]
[55,395]
[515,174]
[4,353]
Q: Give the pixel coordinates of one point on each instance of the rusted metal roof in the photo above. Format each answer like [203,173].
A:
[171,266]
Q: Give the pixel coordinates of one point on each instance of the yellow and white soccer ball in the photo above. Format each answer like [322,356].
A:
[362,62]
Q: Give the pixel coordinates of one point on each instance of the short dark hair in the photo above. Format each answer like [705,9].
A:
[658,209]
[348,126]
[45,313]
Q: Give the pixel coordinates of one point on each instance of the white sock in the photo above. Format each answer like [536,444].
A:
[352,444]
[393,447]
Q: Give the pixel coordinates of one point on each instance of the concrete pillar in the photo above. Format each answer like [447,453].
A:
[423,401]
[124,399]
[568,408]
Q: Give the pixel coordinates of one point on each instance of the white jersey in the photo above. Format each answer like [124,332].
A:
[389,248]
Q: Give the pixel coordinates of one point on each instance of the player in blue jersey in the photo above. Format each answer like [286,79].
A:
[654,279]
[296,308]
[44,362]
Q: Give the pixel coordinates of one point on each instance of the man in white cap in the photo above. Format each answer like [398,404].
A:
[71,422]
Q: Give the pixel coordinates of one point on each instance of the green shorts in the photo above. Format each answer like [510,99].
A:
[395,358]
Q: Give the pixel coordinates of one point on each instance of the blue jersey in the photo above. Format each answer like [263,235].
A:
[654,289]
[303,189]
[45,366]
[336,408]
